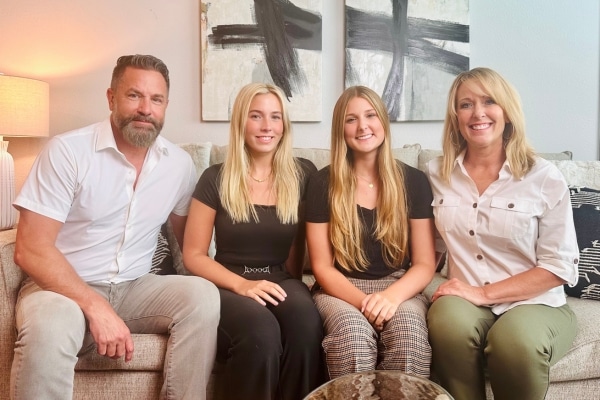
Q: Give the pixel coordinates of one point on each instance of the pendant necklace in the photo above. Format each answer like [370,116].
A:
[371,184]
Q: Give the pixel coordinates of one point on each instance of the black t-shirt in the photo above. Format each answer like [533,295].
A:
[418,196]
[253,244]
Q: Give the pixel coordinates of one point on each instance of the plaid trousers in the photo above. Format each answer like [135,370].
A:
[351,344]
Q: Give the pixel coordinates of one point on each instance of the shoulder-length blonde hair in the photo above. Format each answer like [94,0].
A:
[234,188]
[519,154]
[346,231]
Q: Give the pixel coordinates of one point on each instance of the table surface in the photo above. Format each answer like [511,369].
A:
[381,385]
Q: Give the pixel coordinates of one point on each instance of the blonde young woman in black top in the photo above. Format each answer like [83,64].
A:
[270,331]
[370,237]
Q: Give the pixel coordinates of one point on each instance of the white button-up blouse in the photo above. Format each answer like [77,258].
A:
[515,225]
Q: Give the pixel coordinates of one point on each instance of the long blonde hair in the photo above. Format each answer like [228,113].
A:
[287,174]
[346,231]
[519,153]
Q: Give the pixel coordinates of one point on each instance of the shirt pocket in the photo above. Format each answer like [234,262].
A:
[510,218]
[445,209]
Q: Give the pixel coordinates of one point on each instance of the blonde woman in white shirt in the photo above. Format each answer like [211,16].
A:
[505,215]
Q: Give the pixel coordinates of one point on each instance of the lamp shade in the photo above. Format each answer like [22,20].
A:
[24,107]
[24,111]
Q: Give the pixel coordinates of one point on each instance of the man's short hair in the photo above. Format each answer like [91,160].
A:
[140,61]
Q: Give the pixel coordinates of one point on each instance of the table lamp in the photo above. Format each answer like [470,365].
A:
[24,111]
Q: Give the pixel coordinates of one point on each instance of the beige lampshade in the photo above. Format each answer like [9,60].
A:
[24,109]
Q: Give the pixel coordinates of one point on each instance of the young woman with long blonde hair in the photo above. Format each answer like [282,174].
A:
[370,237]
[270,331]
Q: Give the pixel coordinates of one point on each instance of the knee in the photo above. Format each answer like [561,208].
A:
[506,350]
[201,300]
[449,326]
[304,324]
[349,333]
[47,319]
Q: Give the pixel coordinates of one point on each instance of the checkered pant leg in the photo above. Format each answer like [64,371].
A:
[403,344]
[350,342]
[352,345]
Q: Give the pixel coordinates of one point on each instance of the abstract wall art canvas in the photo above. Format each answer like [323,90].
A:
[408,51]
[272,41]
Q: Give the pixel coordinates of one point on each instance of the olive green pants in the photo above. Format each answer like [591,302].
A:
[516,349]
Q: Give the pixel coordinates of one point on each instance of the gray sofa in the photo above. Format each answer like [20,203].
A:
[576,376]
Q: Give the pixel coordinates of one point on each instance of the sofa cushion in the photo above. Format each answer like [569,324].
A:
[408,154]
[586,215]
[148,355]
[217,154]
[319,157]
[581,361]
[580,173]
[200,153]
[563,155]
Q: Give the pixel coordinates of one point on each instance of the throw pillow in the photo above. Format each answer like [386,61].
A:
[586,215]
[217,154]
[319,157]
[408,154]
[162,261]
[200,153]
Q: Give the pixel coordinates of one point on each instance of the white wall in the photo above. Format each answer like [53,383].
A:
[549,49]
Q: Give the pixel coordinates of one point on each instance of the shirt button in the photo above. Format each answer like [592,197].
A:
[511,205]
[576,261]
[479,257]
[474,205]
[442,201]
[471,232]
[486,283]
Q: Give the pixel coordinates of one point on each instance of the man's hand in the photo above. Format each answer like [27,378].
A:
[110,333]
[261,291]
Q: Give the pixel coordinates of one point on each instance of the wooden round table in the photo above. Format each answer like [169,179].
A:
[380,385]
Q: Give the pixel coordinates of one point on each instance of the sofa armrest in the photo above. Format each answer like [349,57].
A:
[11,277]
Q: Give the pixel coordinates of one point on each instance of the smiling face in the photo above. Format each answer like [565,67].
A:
[481,121]
[138,104]
[264,124]
[363,130]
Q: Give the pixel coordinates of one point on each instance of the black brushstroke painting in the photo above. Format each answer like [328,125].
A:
[280,28]
[404,37]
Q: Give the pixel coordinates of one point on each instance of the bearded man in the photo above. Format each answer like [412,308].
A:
[90,213]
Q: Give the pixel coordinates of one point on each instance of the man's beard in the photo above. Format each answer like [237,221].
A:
[139,137]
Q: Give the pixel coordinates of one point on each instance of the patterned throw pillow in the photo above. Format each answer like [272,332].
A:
[162,261]
[586,215]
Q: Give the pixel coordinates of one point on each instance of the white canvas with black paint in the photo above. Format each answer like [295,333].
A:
[407,51]
[271,41]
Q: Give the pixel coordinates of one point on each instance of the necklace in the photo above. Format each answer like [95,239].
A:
[259,180]
[371,184]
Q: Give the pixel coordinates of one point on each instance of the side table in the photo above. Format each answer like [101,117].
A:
[380,385]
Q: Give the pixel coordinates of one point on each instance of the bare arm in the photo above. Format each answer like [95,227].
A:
[329,278]
[35,250]
[198,234]
[380,307]
[519,287]
[422,259]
